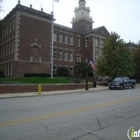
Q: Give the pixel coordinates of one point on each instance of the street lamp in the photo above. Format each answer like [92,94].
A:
[86,61]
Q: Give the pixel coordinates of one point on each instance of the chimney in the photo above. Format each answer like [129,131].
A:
[41,9]
[30,5]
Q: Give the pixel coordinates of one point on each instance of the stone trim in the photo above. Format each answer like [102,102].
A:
[17,32]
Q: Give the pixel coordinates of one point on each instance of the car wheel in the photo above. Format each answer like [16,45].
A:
[121,87]
[110,88]
[132,86]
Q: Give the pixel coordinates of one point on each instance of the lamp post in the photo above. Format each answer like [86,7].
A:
[86,61]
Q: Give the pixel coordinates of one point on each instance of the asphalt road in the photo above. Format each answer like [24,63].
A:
[96,115]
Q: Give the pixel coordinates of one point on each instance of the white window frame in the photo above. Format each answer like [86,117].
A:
[55,36]
[60,54]
[78,41]
[71,39]
[66,55]
[71,70]
[78,59]
[71,55]
[54,69]
[66,38]
[96,42]
[60,37]
[54,53]
[87,27]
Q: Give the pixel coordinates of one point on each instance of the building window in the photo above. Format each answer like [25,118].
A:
[10,26]
[2,32]
[71,70]
[96,42]
[54,69]
[71,40]
[87,27]
[78,59]
[102,43]
[5,31]
[71,55]
[87,41]
[96,49]
[6,49]
[60,54]
[66,38]
[60,37]
[66,55]
[13,46]
[55,53]
[96,56]
[55,36]
[9,47]
[78,41]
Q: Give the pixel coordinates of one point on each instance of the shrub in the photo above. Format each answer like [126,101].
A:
[63,71]
[2,73]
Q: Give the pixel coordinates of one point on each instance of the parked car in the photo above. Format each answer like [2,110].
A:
[122,82]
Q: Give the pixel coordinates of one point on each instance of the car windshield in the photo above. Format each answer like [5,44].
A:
[117,79]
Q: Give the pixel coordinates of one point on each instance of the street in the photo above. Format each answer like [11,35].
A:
[89,115]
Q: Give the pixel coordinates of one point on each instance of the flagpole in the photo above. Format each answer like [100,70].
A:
[52,43]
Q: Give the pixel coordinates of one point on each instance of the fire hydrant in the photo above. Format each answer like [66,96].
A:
[39,89]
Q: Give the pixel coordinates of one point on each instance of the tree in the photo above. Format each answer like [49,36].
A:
[1,5]
[116,59]
[136,58]
[2,73]
[82,69]
[63,71]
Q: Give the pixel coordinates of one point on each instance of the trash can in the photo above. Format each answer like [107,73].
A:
[94,84]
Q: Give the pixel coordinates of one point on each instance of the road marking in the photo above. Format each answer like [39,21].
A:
[68,112]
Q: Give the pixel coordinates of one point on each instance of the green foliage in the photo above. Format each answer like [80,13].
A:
[82,69]
[63,71]
[1,5]
[136,58]
[116,59]
[2,73]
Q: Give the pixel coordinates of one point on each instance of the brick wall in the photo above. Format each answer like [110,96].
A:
[34,88]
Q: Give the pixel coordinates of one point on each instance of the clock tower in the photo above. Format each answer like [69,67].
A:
[82,21]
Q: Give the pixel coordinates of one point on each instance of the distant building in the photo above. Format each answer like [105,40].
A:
[131,46]
[25,43]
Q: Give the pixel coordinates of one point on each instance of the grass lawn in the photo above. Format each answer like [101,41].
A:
[34,80]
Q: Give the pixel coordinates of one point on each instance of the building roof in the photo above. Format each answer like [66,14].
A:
[66,28]
[93,31]
[102,31]
[130,44]
[30,10]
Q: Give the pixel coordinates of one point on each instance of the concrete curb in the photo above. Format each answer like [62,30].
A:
[49,93]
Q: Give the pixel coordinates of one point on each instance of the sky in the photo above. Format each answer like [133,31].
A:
[120,16]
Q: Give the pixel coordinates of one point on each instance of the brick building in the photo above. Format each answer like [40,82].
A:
[25,44]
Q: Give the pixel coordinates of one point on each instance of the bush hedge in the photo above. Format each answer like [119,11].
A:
[63,71]
[2,73]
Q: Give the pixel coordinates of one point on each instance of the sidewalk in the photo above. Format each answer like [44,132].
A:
[46,93]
